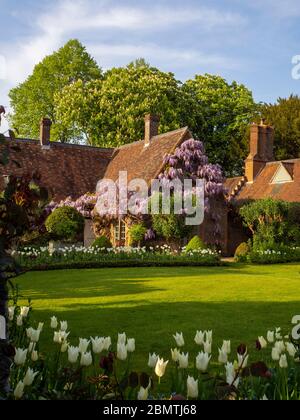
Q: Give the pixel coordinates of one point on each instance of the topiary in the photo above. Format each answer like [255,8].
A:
[137,234]
[194,244]
[65,223]
[102,242]
[241,252]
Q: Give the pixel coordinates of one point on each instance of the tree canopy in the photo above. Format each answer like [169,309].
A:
[34,98]
[284,116]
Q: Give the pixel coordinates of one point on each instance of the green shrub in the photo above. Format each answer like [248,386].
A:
[65,223]
[102,242]
[242,252]
[137,234]
[195,243]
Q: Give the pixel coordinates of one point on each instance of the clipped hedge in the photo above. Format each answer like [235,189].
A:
[195,244]
[102,243]
[65,223]
[242,251]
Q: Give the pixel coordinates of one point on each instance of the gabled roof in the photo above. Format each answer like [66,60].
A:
[264,186]
[145,162]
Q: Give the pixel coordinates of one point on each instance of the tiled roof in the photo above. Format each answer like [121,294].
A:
[262,187]
[145,162]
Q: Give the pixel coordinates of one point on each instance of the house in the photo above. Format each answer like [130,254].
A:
[263,178]
[73,170]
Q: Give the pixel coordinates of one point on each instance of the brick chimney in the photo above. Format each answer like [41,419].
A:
[45,129]
[261,149]
[151,127]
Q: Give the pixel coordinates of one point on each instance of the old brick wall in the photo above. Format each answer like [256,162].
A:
[65,169]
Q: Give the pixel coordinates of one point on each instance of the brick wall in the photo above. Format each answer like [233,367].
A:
[65,169]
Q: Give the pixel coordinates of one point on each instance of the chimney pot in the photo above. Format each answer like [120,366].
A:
[151,127]
[45,129]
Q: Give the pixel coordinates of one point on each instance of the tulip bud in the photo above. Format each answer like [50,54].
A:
[19,390]
[223,357]
[283,363]
[63,325]
[207,347]
[11,312]
[131,345]
[291,349]
[54,323]
[192,388]
[199,338]
[275,354]
[121,351]
[86,359]
[73,353]
[34,356]
[152,360]
[183,360]
[179,339]
[29,377]
[226,348]
[19,320]
[271,336]
[64,347]
[143,394]
[83,345]
[24,311]
[202,361]
[122,338]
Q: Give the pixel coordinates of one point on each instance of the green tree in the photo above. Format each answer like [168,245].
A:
[34,98]
[110,112]
[284,116]
[224,113]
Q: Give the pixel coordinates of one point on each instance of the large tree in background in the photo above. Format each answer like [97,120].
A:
[110,112]
[226,111]
[34,98]
[284,116]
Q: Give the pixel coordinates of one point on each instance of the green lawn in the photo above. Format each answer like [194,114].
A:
[238,302]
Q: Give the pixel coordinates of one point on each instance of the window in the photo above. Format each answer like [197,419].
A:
[120,231]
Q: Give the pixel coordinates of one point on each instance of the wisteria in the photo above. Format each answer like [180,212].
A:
[84,204]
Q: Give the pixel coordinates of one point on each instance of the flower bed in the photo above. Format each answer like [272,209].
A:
[80,257]
[102,368]
[282,254]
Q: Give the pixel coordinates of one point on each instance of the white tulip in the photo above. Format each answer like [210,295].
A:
[160,367]
[54,323]
[86,359]
[121,351]
[283,363]
[183,360]
[199,338]
[192,387]
[29,377]
[24,311]
[19,390]
[291,349]
[152,360]
[179,339]
[202,361]
[73,353]
[143,394]
[83,345]
[19,320]
[122,338]
[208,335]
[242,361]
[278,334]
[63,325]
[131,345]
[107,343]
[40,326]
[97,344]
[271,336]
[279,345]
[175,355]
[34,356]
[20,357]
[11,312]
[226,347]
[223,357]
[263,343]
[231,374]
[33,335]
[275,354]
[207,347]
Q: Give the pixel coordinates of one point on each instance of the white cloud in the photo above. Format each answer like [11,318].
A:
[103,19]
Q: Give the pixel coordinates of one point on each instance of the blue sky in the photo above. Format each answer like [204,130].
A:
[250,41]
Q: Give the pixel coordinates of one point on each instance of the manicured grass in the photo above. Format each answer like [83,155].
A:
[238,302]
